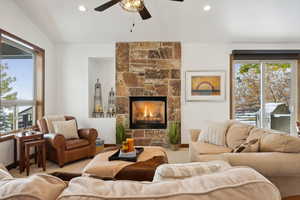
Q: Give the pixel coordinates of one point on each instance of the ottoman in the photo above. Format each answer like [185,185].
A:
[142,170]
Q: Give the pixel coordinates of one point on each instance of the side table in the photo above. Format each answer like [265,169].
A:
[21,138]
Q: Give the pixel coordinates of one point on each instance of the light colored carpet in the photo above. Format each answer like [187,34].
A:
[180,156]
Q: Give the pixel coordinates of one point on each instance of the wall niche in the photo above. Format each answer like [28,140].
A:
[104,70]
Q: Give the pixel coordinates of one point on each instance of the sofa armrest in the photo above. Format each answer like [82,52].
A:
[194,135]
[88,134]
[56,140]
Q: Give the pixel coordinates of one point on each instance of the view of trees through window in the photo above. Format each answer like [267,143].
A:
[7,93]
[268,84]
[16,88]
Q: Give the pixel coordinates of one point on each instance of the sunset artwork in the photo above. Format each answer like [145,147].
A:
[206,85]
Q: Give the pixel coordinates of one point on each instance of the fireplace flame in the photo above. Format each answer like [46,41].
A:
[147,113]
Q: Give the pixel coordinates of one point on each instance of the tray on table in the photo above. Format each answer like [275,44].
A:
[116,156]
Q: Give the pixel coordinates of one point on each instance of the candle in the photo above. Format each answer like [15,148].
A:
[130,142]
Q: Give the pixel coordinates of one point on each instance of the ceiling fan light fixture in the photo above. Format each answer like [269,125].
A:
[132,5]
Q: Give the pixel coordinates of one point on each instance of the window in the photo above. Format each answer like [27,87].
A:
[264,93]
[21,83]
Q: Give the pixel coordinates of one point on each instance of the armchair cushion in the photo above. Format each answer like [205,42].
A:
[66,128]
[76,143]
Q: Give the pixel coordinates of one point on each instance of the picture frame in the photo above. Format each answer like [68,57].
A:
[205,86]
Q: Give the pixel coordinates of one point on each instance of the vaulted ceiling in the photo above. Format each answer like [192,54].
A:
[228,21]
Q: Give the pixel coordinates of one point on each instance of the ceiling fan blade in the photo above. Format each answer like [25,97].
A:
[145,13]
[107,5]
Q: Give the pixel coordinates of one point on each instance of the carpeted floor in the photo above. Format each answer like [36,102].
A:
[180,156]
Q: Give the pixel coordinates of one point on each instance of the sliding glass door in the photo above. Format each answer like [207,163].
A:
[264,94]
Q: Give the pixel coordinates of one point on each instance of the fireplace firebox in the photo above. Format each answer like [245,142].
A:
[148,112]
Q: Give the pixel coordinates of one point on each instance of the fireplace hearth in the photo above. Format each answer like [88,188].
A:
[148,112]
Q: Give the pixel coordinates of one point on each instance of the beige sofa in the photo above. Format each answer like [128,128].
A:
[280,167]
[227,183]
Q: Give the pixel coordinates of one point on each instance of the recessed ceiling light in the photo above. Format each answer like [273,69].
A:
[81,8]
[207,8]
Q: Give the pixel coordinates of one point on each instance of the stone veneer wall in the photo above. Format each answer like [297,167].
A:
[148,69]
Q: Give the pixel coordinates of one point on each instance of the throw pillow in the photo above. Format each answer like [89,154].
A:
[180,171]
[214,133]
[51,119]
[66,128]
[237,134]
[251,146]
[279,143]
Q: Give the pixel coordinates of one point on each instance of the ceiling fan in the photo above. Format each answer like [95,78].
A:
[131,6]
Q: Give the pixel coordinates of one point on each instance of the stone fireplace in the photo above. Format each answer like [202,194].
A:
[148,89]
[148,113]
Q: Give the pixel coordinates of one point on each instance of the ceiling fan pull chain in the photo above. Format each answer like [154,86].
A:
[132,27]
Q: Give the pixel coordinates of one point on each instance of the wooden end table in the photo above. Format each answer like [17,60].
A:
[21,139]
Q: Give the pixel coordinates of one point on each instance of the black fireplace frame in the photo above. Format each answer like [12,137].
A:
[148,126]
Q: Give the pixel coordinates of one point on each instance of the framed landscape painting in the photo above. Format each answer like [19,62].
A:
[205,85]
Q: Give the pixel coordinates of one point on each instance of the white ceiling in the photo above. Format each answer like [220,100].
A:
[228,21]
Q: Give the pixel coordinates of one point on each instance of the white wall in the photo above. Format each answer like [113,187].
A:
[73,87]
[13,20]
[203,57]
[73,90]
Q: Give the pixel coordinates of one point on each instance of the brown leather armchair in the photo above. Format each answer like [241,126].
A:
[61,150]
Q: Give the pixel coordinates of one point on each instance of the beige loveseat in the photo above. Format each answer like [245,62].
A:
[271,159]
[225,183]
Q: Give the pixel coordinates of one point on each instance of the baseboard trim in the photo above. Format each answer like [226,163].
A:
[184,145]
[110,145]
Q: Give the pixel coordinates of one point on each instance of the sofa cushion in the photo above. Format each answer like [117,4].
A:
[66,128]
[214,133]
[206,148]
[234,183]
[251,146]
[167,172]
[5,174]
[76,143]
[237,134]
[2,167]
[279,143]
[257,133]
[36,187]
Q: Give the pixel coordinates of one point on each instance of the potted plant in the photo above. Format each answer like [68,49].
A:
[174,135]
[120,134]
